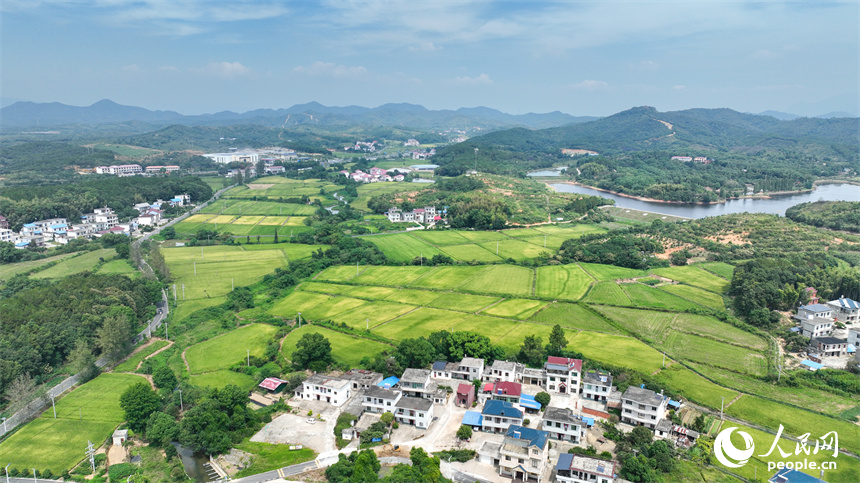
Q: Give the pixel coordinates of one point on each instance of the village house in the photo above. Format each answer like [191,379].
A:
[563,374]
[237,157]
[415,411]
[332,390]
[362,379]
[418,215]
[809,312]
[679,435]
[469,369]
[533,376]
[575,468]
[497,416]
[101,218]
[442,369]
[465,395]
[507,391]
[845,310]
[828,346]
[380,399]
[4,223]
[417,383]
[643,407]
[596,385]
[854,337]
[816,327]
[523,454]
[274,169]
[562,424]
[812,295]
[504,371]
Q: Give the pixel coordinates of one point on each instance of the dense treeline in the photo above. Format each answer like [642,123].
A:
[48,162]
[836,215]
[24,204]
[623,250]
[42,321]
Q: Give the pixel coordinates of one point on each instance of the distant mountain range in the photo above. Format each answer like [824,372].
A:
[30,114]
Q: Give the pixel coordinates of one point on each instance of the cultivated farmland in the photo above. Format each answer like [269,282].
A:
[345,348]
[230,348]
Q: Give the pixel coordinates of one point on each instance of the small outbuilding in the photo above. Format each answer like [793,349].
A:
[120,436]
[465,395]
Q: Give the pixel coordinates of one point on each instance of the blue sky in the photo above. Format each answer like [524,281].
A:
[583,58]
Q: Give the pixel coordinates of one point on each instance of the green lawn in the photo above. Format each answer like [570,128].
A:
[392,276]
[421,322]
[345,348]
[642,295]
[515,308]
[222,378]
[470,252]
[501,279]
[223,351]
[97,400]
[447,278]
[566,282]
[372,314]
[607,293]
[130,364]
[574,316]
[703,297]
[55,444]
[695,387]
[332,307]
[403,247]
[695,276]
[76,264]
[119,267]
[611,272]
[462,302]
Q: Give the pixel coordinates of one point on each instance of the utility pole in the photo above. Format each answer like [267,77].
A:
[91,452]
[476,160]
[722,401]
[232,284]
[664,359]
[249,357]
[497,248]
[166,337]
[34,474]
[174,292]
[300,319]
[54,406]
[183,291]
[366,324]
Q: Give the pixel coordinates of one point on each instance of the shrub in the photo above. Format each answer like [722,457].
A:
[121,471]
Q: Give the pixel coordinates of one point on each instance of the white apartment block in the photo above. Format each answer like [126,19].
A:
[120,170]
[498,416]
[328,389]
[642,407]
[416,383]
[816,327]
[562,424]
[239,157]
[380,400]
[811,311]
[415,411]
[563,375]
[504,371]
[468,369]
[7,235]
[596,385]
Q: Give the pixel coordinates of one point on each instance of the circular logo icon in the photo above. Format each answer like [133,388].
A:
[726,451]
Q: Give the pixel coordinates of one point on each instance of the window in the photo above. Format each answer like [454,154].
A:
[534,463]
[507,458]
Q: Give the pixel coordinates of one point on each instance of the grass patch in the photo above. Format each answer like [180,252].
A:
[611,272]
[501,279]
[119,267]
[695,276]
[567,282]
[76,264]
[130,364]
[188,307]
[392,276]
[372,314]
[695,387]
[55,444]
[345,348]
[230,348]
[462,302]
[9,270]
[515,308]
[703,297]
[574,316]
[609,293]
[97,400]
[221,379]
[470,252]
[719,268]
[269,457]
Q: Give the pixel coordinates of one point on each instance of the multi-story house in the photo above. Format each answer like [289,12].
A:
[504,371]
[362,379]
[332,390]
[507,391]
[468,369]
[380,400]
[417,383]
[562,424]
[845,310]
[415,411]
[816,327]
[4,223]
[101,218]
[465,395]
[808,312]
[498,416]
[563,374]
[523,454]
[854,337]
[596,385]
[574,468]
[7,235]
[828,346]
[643,407]
[442,369]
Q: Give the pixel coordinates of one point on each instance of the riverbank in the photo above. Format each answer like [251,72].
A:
[625,195]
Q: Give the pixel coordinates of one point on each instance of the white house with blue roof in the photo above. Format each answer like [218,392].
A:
[498,416]
[845,310]
[816,320]
[523,455]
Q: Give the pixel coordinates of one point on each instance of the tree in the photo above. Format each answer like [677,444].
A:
[465,432]
[415,353]
[636,468]
[557,341]
[312,349]
[532,351]
[82,361]
[169,233]
[543,398]
[640,436]
[204,428]
[123,250]
[161,429]
[163,378]
[114,336]
[21,388]
[138,402]
[387,418]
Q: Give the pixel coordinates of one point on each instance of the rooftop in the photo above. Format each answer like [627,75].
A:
[416,403]
[494,407]
[564,415]
[472,418]
[564,362]
[415,375]
[271,383]
[845,303]
[465,388]
[439,365]
[472,362]
[508,388]
[829,340]
[816,308]
[327,381]
[598,377]
[643,396]
[535,437]
[567,461]
[381,392]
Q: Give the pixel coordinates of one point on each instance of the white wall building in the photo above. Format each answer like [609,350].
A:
[642,407]
[380,400]
[845,310]
[332,390]
[415,411]
[562,424]
[596,385]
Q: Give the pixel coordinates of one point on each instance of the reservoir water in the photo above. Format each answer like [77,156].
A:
[775,205]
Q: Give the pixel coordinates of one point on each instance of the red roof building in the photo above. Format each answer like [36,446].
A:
[508,391]
[465,395]
[272,383]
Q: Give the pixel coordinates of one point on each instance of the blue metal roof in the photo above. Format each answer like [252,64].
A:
[846,303]
[29,225]
[389,382]
[564,461]
[59,225]
[795,329]
[674,404]
[588,421]
[851,348]
[473,418]
[21,244]
[535,437]
[811,365]
[527,401]
[789,475]
[817,308]
[495,407]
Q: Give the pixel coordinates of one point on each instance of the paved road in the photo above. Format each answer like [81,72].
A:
[280,473]
[24,480]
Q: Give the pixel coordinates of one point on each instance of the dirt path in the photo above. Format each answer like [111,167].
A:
[733,400]
[187,367]
[168,346]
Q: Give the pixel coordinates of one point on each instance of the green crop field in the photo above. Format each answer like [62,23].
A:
[491,327]
[76,264]
[501,279]
[97,400]
[447,237]
[617,350]
[188,307]
[412,296]
[722,269]
[642,295]
[515,308]
[610,272]
[462,302]
[119,267]
[297,302]
[516,249]
[520,232]
[329,288]
[482,236]
[130,364]
[574,316]
[231,207]
[607,293]
[370,292]
[230,348]
[55,444]
[470,252]
[129,151]
[339,273]
[695,387]
[330,308]
[513,339]
[392,276]
[568,230]
[220,379]
[344,348]
[403,247]
[372,314]
[703,297]
[700,349]
[567,282]
[695,276]
[447,278]
[546,242]
[9,270]
[247,220]
[420,322]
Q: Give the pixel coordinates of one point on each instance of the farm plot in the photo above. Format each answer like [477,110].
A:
[694,387]
[297,302]
[642,295]
[247,220]
[119,267]
[648,324]
[391,276]
[54,444]
[446,237]
[700,349]
[339,273]
[412,296]
[567,282]
[470,252]
[97,400]
[370,292]
[482,236]
[516,249]
[447,278]
[403,247]
[188,228]
[719,268]
[520,232]
[703,297]
[695,276]
[570,230]
[221,379]
[501,279]
[188,307]
[223,351]
[607,293]
[327,288]
[78,264]
[372,314]
[617,350]
[220,268]
[332,307]
[513,339]
[275,220]
[462,302]
[515,308]
[198,218]
[130,364]
[9,270]
[490,327]
[345,348]
[546,242]
[231,207]
[611,272]
[296,221]
[222,219]
[574,316]
[421,322]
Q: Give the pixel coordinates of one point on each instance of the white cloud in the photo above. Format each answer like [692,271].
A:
[590,85]
[481,80]
[226,70]
[330,69]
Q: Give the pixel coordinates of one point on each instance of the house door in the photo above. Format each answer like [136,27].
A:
[519,475]
[562,388]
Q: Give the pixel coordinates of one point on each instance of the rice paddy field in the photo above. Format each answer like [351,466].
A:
[248,225]
[277,187]
[695,276]
[223,351]
[345,348]
[9,270]
[221,379]
[76,264]
[130,364]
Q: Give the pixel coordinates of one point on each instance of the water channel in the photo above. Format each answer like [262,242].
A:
[196,465]
[775,205]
